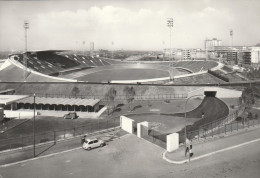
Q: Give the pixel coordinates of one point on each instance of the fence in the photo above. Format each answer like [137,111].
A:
[117,98]
[55,135]
[155,137]
[218,129]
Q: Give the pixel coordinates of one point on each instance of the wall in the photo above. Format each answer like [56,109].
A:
[19,114]
[221,92]
[126,124]
[142,128]
[1,114]
[172,142]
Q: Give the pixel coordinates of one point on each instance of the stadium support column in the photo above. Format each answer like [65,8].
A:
[26,27]
[170,25]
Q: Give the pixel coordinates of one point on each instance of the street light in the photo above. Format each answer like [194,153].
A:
[34,125]
[186,119]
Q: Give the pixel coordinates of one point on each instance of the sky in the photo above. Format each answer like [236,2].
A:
[127,25]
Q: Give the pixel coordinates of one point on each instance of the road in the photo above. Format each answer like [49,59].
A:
[132,157]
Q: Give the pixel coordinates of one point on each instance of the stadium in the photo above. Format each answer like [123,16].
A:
[44,65]
[63,82]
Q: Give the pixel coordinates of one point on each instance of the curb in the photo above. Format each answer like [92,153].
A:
[208,154]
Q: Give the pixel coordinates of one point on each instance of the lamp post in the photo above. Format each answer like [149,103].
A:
[34,125]
[186,119]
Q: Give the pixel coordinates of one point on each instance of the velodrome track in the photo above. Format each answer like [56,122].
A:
[212,108]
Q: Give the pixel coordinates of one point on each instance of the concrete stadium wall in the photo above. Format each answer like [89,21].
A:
[224,93]
[127,124]
[172,142]
[221,92]
[142,129]
[199,91]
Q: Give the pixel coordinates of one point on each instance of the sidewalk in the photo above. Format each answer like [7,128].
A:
[202,150]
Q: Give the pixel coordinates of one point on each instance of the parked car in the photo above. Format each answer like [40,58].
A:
[90,143]
[71,115]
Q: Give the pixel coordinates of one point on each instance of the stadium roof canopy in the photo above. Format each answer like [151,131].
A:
[9,99]
[61,101]
[46,51]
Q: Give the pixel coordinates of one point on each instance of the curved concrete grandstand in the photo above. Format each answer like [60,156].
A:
[54,65]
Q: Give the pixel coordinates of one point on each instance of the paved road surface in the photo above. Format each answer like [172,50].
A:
[132,157]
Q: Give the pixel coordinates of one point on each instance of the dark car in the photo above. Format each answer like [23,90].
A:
[71,115]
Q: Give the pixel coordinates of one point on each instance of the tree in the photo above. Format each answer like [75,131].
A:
[75,91]
[110,97]
[130,95]
[248,98]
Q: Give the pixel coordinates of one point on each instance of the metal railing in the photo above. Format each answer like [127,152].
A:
[218,130]
[53,136]
[118,97]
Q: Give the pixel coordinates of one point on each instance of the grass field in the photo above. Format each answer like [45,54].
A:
[124,74]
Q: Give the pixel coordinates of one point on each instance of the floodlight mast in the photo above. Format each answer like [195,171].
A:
[170,25]
[231,36]
[26,27]
[112,43]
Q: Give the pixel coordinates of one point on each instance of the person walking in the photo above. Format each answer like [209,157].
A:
[190,152]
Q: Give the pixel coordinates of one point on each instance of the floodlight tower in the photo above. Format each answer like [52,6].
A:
[112,49]
[26,27]
[170,25]
[83,42]
[231,36]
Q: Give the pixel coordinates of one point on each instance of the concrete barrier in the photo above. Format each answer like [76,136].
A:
[142,129]
[127,124]
[172,142]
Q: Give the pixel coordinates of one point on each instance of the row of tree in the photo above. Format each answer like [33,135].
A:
[111,95]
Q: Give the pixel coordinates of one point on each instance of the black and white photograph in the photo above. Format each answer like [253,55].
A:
[129,88]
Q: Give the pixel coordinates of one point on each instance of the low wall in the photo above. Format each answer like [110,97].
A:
[172,142]
[142,129]
[127,124]
[18,114]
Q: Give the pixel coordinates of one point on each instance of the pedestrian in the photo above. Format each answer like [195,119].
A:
[186,151]
[190,152]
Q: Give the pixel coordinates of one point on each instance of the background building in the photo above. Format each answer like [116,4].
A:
[255,55]
[209,44]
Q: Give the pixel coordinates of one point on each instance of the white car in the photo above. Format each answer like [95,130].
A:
[92,143]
